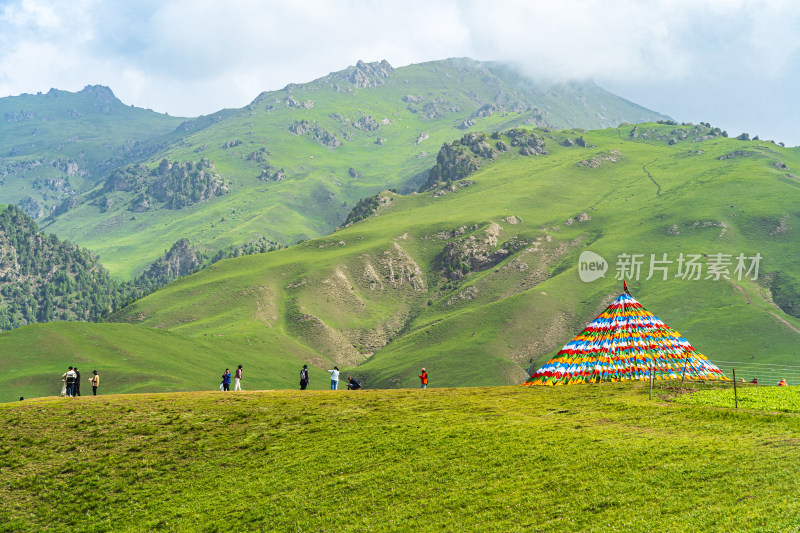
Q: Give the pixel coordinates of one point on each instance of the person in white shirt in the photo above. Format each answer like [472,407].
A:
[71,377]
[334,378]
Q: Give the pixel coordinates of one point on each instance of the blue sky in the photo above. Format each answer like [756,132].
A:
[733,63]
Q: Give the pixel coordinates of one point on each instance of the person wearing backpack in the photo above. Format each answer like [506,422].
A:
[70,377]
[304,377]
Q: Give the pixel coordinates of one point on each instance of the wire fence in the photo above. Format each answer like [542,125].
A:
[761,373]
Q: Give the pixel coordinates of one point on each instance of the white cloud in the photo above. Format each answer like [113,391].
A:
[189,57]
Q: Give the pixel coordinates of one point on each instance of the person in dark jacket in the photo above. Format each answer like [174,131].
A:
[304,378]
[353,384]
[226,380]
[77,388]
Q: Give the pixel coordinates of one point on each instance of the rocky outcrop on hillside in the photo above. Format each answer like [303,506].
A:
[737,153]
[474,252]
[32,207]
[466,124]
[19,116]
[366,123]
[366,207]
[181,260]
[268,174]
[460,158]
[173,184]
[66,205]
[363,75]
[316,132]
[430,109]
[664,132]
[596,161]
[259,156]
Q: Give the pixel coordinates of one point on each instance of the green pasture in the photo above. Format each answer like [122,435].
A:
[374,298]
[512,315]
[135,359]
[578,458]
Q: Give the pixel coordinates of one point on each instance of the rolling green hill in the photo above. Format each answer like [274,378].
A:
[583,458]
[478,275]
[295,161]
[134,359]
[57,145]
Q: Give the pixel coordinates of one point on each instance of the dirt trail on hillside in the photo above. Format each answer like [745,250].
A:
[776,315]
[644,167]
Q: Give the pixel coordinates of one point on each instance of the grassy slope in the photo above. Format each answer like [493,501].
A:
[133,359]
[582,458]
[319,190]
[516,315]
[350,298]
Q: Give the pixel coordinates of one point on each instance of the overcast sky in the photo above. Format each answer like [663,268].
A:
[733,63]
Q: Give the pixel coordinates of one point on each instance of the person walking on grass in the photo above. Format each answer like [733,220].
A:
[334,378]
[304,377]
[238,379]
[423,379]
[226,380]
[77,391]
[95,381]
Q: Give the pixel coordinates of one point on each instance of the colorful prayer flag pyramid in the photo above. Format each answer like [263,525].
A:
[625,342]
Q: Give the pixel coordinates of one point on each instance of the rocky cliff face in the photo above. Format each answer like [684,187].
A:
[180,260]
[460,158]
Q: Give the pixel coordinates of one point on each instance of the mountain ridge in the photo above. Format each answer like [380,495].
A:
[299,158]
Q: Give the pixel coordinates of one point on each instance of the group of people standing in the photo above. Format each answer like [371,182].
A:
[352,383]
[226,380]
[71,382]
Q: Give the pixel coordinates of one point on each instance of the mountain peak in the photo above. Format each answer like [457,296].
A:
[101,92]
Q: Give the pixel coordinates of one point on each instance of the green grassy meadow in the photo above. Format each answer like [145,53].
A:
[133,359]
[376,299]
[580,458]
[357,297]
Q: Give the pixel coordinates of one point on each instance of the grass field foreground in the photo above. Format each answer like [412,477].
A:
[580,458]
[784,399]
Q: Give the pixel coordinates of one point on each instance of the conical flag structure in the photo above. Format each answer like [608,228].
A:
[626,342]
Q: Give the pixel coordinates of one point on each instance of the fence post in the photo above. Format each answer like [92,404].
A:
[683,374]
[735,396]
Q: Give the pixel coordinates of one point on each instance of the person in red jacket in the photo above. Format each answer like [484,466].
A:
[423,379]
